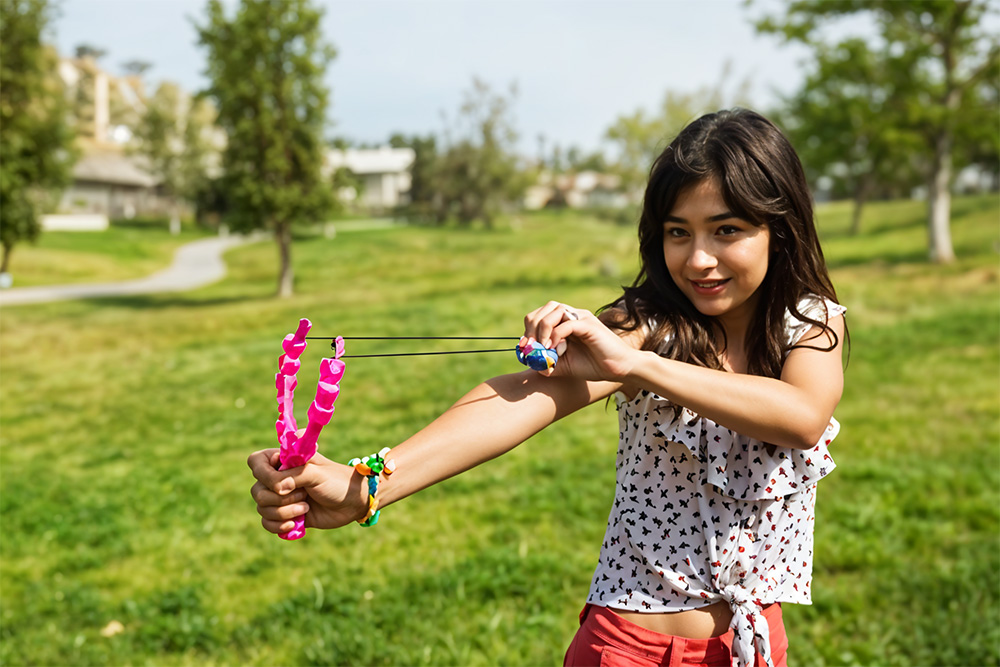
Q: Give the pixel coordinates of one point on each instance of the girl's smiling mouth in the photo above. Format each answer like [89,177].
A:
[709,286]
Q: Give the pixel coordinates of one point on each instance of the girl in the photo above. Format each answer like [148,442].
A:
[724,357]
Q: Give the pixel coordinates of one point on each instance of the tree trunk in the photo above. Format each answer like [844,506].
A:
[5,262]
[939,188]
[286,279]
[860,197]
[939,201]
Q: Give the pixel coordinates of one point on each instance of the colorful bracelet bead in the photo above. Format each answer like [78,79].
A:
[371,467]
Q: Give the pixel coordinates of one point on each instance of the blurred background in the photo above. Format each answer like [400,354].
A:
[441,168]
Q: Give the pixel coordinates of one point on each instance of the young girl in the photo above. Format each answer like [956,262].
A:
[725,359]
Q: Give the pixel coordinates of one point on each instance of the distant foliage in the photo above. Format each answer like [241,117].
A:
[920,99]
[640,136]
[845,124]
[421,206]
[172,136]
[472,172]
[37,153]
[266,66]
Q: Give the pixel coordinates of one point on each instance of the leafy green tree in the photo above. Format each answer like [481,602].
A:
[89,51]
[950,54]
[423,194]
[640,136]
[172,136]
[577,160]
[478,175]
[266,67]
[471,171]
[846,122]
[345,179]
[37,146]
[136,67]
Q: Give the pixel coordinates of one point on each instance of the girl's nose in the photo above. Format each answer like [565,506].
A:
[701,259]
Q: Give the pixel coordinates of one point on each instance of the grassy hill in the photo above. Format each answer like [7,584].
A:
[125,425]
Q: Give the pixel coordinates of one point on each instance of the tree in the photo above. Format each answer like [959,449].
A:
[89,51]
[594,161]
[423,192]
[477,174]
[266,67]
[136,67]
[37,152]
[171,135]
[846,122]
[950,53]
[640,137]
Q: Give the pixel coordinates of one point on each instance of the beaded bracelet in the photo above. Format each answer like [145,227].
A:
[371,467]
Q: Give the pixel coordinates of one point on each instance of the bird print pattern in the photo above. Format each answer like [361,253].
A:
[702,514]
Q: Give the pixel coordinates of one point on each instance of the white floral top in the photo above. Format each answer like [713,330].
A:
[703,514]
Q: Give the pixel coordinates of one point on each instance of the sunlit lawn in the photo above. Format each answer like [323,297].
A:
[125,425]
[126,250]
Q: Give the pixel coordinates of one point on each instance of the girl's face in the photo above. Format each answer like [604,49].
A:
[717,260]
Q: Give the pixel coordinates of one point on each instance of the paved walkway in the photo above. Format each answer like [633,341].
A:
[195,264]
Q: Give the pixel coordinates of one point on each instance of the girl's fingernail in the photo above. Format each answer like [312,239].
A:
[560,348]
[547,344]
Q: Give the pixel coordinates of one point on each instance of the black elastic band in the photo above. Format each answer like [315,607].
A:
[420,354]
[414,338]
[333,343]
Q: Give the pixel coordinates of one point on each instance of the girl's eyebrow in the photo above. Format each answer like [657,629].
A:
[715,218]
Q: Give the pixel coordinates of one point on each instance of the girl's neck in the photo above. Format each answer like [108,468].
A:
[731,337]
[734,359]
[734,325]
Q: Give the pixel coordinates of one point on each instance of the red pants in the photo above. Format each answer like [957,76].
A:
[607,639]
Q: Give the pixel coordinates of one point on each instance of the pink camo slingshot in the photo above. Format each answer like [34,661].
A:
[297,451]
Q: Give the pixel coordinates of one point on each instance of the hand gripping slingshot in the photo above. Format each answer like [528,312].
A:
[297,451]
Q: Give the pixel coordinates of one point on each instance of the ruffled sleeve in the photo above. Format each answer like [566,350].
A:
[813,307]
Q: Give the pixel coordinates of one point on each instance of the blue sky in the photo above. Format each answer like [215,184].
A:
[577,65]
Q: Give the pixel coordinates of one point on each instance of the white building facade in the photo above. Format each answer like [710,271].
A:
[384,173]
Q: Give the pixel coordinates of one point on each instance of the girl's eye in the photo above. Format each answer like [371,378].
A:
[728,230]
[675,232]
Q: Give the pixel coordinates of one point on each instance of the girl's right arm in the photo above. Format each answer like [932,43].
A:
[489,421]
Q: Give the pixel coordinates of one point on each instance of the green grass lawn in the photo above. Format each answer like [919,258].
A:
[125,425]
[122,252]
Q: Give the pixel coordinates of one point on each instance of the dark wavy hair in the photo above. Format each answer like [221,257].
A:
[762,181]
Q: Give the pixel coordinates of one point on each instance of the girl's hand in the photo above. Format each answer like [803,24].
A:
[329,494]
[587,348]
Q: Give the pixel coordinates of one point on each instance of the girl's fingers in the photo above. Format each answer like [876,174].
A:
[277,527]
[285,513]
[265,497]
[539,324]
[574,321]
[535,326]
[263,465]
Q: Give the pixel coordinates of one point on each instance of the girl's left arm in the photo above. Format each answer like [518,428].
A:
[791,411]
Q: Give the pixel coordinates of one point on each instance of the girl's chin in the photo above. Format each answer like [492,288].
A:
[711,310]
[705,303]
